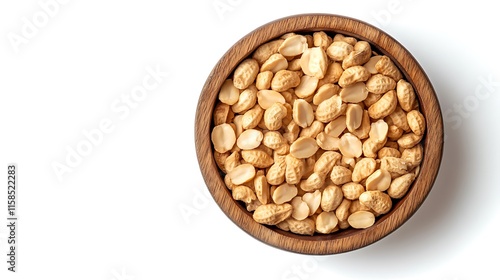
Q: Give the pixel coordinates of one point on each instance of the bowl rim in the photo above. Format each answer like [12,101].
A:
[347,240]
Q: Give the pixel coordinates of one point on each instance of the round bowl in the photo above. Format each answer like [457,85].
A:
[344,240]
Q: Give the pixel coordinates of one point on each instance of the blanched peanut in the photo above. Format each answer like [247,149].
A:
[223,138]
[326,222]
[284,193]
[331,198]
[361,219]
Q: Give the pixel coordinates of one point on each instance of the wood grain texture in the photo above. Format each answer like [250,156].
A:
[346,240]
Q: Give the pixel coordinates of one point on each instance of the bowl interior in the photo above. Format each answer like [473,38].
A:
[344,240]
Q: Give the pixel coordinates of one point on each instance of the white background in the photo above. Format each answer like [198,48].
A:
[118,211]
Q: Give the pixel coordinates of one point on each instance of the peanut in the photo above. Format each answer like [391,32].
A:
[361,219]
[272,214]
[245,73]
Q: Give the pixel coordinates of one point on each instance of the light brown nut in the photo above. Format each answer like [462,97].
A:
[313,130]
[409,140]
[303,114]
[245,73]
[388,152]
[221,113]
[253,205]
[330,109]
[295,168]
[321,39]
[304,227]
[359,56]
[325,163]
[413,156]
[342,211]
[272,214]
[378,131]
[352,75]
[324,92]
[331,198]
[392,144]
[274,115]
[384,106]
[394,132]
[380,84]
[363,131]
[266,98]
[371,98]
[283,226]
[300,208]
[370,65]
[361,219]
[228,183]
[355,93]
[416,121]
[406,95]
[246,101]
[284,193]
[293,45]
[257,158]
[303,147]
[263,80]
[379,180]
[350,145]
[326,222]
[220,160]
[400,186]
[352,190]
[348,162]
[242,174]
[313,200]
[354,116]
[399,119]
[243,193]
[378,201]
[273,140]
[310,162]
[336,127]
[232,161]
[276,173]
[292,131]
[347,39]
[344,224]
[394,165]
[252,117]
[261,188]
[357,206]
[284,80]
[249,139]
[363,168]
[294,65]
[314,62]
[264,51]
[371,147]
[314,182]
[327,142]
[340,175]
[306,87]
[238,125]
[223,138]
[332,75]
[274,63]
[229,94]
[386,67]
[338,50]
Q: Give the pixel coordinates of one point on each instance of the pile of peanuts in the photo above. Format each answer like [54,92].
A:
[317,133]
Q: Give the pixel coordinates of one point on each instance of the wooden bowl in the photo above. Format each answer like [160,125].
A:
[344,240]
